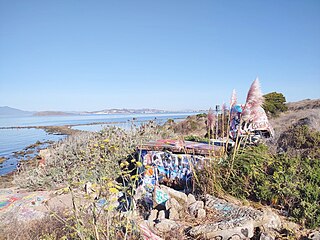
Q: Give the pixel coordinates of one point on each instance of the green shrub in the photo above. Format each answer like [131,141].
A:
[86,166]
[196,139]
[202,115]
[88,157]
[274,103]
[300,141]
[288,183]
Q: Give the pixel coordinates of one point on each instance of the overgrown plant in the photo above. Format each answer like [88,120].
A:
[288,183]
[100,173]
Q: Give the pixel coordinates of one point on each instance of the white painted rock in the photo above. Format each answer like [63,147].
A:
[270,220]
[194,207]
[314,235]
[191,199]
[179,196]
[161,215]
[166,225]
[153,215]
[266,236]
[201,213]
[173,203]
[173,214]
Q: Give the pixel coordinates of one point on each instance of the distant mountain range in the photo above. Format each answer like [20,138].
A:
[128,111]
[52,113]
[8,111]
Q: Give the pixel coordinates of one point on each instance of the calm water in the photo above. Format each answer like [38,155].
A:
[83,119]
[13,140]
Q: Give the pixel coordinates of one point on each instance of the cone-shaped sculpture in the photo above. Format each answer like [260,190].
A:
[254,101]
[253,112]
[233,100]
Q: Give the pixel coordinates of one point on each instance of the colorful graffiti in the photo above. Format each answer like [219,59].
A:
[175,170]
[23,206]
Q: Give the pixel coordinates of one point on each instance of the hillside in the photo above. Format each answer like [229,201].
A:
[8,111]
[127,111]
[52,113]
[305,112]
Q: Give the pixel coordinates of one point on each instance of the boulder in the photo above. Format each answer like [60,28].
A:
[179,196]
[191,199]
[173,214]
[235,237]
[161,215]
[153,215]
[314,235]
[266,236]
[270,220]
[194,207]
[201,213]
[173,203]
[223,231]
[166,225]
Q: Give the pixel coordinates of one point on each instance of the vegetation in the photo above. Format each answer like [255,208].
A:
[290,183]
[100,168]
[103,166]
[196,139]
[274,103]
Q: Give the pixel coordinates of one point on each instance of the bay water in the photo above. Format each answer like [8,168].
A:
[17,139]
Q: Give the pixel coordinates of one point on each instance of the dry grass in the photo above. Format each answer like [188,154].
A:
[94,160]
[88,157]
[46,228]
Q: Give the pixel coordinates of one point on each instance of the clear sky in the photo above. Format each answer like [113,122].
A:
[168,54]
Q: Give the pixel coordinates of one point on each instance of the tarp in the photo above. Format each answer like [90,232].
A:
[178,146]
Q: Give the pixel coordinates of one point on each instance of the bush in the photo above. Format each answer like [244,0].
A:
[300,140]
[88,157]
[288,183]
[274,103]
[196,139]
[86,166]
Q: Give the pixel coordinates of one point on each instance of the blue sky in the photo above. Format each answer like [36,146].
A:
[168,54]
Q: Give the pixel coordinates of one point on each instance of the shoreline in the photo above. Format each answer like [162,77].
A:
[67,128]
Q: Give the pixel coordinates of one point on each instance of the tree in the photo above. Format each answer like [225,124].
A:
[274,103]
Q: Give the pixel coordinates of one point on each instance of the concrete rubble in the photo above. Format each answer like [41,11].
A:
[230,221]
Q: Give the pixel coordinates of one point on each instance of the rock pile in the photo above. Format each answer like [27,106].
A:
[230,221]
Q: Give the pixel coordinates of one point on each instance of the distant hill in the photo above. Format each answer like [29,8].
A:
[52,113]
[8,111]
[128,111]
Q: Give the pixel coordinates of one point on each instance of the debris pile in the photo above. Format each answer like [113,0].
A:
[208,217]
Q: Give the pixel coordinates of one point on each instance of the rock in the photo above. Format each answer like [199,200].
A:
[153,215]
[191,199]
[161,215]
[314,235]
[201,213]
[174,214]
[270,220]
[223,231]
[147,231]
[266,236]
[194,207]
[179,196]
[294,227]
[140,193]
[173,203]
[235,237]
[160,196]
[166,225]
